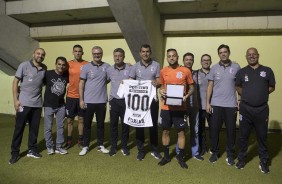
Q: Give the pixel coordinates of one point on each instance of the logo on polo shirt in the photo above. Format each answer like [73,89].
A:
[126,72]
[153,69]
[246,78]
[231,70]
[179,75]
[263,74]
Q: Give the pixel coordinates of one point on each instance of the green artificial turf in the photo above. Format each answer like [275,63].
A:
[96,167]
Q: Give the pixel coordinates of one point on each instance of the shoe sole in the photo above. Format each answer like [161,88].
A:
[32,156]
[228,162]
[240,168]
[124,153]
[262,170]
[61,152]
[155,156]
[51,153]
[198,159]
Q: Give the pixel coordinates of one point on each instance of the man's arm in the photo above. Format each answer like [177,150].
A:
[189,93]
[271,89]
[15,90]
[81,94]
[209,93]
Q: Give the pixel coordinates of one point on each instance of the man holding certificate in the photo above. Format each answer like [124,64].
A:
[174,80]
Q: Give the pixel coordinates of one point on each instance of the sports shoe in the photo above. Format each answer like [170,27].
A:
[198,157]
[113,152]
[264,167]
[67,145]
[213,158]
[203,152]
[33,154]
[80,144]
[61,151]
[230,161]
[83,151]
[141,155]
[181,162]
[103,149]
[14,159]
[125,151]
[156,155]
[240,164]
[50,151]
[164,161]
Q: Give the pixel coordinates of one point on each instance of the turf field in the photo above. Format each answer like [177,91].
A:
[96,167]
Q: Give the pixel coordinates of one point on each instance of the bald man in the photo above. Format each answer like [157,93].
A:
[254,83]
[28,103]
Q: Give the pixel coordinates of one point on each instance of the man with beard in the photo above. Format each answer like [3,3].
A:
[28,103]
[174,115]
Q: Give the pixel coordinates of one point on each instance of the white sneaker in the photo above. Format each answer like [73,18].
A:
[50,151]
[83,151]
[103,149]
[61,151]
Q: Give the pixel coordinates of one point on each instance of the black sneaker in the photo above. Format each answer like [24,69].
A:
[240,164]
[141,155]
[113,152]
[198,157]
[33,154]
[67,145]
[181,162]
[156,155]
[164,161]
[213,158]
[264,167]
[230,161]
[125,151]
[14,159]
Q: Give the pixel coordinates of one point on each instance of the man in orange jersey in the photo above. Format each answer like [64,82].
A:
[176,115]
[72,102]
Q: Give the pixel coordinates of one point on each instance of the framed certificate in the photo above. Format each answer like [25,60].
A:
[174,94]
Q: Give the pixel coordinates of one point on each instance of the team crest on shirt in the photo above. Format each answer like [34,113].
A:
[262,74]
[91,74]
[217,75]
[58,87]
[126,72]
[153,69]
[179,75]
[246,78]
[30,77]
[231,70]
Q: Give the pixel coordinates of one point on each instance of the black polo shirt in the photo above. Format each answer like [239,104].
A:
[255,84]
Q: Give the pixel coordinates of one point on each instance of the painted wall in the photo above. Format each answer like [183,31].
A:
[268,46]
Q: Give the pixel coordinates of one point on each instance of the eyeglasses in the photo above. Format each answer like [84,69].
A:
[97,54]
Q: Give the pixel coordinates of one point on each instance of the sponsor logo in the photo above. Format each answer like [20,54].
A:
[262,74]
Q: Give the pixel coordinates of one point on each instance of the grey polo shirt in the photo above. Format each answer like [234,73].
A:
[201,80]
[116,75]
[95,76]
[31,79]
[224,91]
[140,72]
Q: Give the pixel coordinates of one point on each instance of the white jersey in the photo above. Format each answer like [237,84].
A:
[138,98]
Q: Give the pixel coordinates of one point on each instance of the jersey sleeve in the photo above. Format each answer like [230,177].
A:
[238,81]
[19,73]
[158,70]
[189,77]
[211,74]
[83,72]
[161,77]
[271,81]
[132,73]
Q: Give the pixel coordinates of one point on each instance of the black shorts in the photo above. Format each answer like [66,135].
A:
[73,109]
[177,118]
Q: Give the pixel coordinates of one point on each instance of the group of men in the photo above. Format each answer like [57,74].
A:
[209,95]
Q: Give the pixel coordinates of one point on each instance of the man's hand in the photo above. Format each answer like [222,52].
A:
[82,104]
